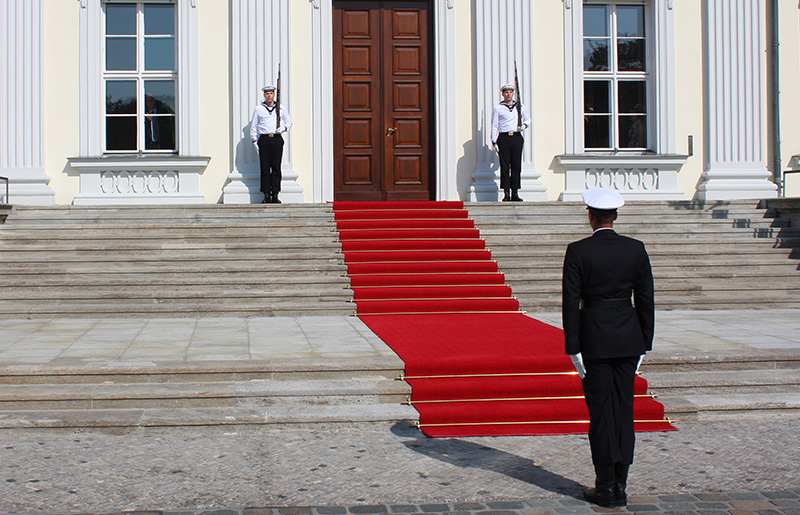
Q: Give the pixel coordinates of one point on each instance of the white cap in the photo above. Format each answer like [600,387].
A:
[269,88]
[507,86]
[603,198]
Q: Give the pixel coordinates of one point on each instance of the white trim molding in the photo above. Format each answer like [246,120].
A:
[635,177]
[139,180]
[503,30]
[663,163]
[22,102]
[736,165]
[444,102]
[259,43]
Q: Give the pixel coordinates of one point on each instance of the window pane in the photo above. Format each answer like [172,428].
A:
[162,93]
[631,55]
[630,21]
[159,122]
[159,54]
[120,53]
[121,97]
[121,19]
[595,55]
[596,97]
[632,131]
[595,20]
[597,131]
[632,96]
[159,19]
[121,133]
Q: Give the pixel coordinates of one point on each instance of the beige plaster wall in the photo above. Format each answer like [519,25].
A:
[214,121]
[61,96]
[548,103]
[789,32]
[301,109]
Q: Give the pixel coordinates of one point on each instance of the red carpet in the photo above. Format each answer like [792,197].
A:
[425,284]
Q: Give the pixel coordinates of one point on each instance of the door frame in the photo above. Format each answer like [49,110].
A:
[443,112]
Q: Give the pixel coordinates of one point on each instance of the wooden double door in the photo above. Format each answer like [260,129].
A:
[382,88]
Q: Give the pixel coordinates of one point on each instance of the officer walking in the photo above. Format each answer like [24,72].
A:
[606,337]
[509,119]
[268,122]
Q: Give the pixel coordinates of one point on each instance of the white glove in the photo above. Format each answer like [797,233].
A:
[280,130]
[577,360]
[522,127]
[255,145]
[639,364]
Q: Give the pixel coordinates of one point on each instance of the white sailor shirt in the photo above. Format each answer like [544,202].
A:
[264,120]
[505,119]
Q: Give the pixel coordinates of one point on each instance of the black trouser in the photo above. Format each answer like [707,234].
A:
[510,150]
[608,387]
[270,153]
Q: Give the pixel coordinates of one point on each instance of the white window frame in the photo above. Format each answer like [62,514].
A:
[92,99]
[139,75]
[637,175]
[661,76]
[615,77]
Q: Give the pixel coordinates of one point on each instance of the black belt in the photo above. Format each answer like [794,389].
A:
[510,133]
[606,303]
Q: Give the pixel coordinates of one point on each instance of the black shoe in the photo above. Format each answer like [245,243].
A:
[506,195]
[267,199]
[275,199]
[515,196]
[621,480]
[603,492]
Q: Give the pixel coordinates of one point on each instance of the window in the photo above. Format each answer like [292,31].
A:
[140,77]
[615,77]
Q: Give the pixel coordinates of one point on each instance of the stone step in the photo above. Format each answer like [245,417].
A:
[704,408]
[126,420]
[252,393]
[724,382]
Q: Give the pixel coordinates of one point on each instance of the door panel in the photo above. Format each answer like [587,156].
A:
[381,54]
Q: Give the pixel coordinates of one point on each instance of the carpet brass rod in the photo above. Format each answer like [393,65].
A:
[436,286]
[530,422]
[425,273]
[436,298]
[564,398]
[510,374]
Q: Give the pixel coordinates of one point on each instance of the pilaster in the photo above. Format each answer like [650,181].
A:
[736,165]
[259,43]
[503,31]
[21,103]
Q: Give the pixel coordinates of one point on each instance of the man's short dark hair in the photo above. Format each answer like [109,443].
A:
[603,216]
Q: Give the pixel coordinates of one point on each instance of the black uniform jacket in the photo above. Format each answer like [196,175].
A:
[602,267]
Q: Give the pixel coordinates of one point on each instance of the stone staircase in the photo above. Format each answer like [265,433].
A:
[121,398]
[715,255]
[726,387]
[171,262]
[219,261]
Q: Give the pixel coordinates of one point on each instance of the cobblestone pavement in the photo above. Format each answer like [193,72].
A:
[740,466]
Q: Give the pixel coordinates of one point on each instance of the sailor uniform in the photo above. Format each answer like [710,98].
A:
[265,132]
[507,137]
[600,322]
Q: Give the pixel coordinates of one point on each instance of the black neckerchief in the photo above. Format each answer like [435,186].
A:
[269,109]
[509,107]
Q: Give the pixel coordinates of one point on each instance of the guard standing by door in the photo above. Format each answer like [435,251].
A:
[606,336]
[509,119]
[268,123]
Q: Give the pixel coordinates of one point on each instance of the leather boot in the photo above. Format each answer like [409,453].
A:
[275,199]
[506,195]
[603,492]
[621,482]
[267,198]
[515,196]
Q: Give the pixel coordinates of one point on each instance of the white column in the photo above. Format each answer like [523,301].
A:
[736,167]
[21,103]
[503,35]
[259,42]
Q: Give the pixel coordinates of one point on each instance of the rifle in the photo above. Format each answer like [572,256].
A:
[278,98]
[519,104]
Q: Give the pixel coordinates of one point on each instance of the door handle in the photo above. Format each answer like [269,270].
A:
[390,131]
